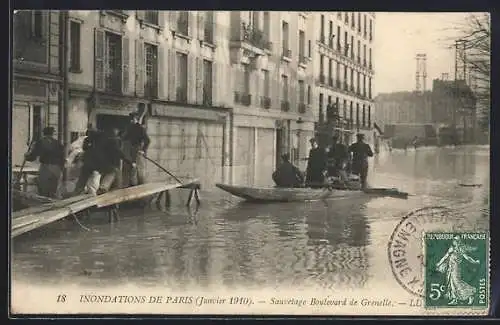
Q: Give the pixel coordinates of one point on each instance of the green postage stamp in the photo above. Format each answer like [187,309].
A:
[456,269]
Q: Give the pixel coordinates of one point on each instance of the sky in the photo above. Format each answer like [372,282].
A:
[400,36]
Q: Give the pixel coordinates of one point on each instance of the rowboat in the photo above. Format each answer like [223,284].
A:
[276,194]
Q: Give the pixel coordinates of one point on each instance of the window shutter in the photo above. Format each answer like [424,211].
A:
[172,20]
[125,65]
[199,81]
[201,25]
[161,19]
[191,24]
[215,81]
[171,74]
[139,68]
[99,53]
[141,14]
[162,89]
[191,82]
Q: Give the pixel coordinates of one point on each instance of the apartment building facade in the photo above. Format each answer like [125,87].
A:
[272,84]
[344,73]
[36,77]
[225,93]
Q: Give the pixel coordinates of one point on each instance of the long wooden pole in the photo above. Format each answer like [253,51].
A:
[161,167]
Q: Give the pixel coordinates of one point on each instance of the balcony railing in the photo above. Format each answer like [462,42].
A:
[181,95]
[322,79]
[255,37]
[287,53]
[302,108]
[285,106]
[265,102]
[113,81]
[242,98]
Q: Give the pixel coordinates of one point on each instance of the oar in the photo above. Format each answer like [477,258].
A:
[161,167]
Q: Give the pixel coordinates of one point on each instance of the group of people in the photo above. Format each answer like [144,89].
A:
[101,154]
[326,165]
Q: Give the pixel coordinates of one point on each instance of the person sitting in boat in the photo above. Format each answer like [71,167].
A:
[287,174]
[337,160]
[110,157]
[51,156]
[316,165]
[359,161]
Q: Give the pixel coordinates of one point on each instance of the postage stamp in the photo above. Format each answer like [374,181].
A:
[456,269]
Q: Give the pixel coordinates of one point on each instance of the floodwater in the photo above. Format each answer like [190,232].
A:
[333,244]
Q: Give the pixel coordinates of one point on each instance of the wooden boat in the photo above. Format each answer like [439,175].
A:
[32,218]
[276,194]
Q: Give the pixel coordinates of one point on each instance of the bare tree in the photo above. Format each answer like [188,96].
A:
[475,32]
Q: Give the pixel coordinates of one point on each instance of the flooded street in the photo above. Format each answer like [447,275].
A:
[339,244]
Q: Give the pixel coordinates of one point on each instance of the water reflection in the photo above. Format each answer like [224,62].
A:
[334,244]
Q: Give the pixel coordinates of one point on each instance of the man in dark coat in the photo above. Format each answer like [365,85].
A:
[360,153]
[90,158]
[135,144]
[316,165]
[51,156]
[287,175]
[337,159]
[110,157]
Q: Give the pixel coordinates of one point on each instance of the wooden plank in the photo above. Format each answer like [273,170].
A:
[49,206]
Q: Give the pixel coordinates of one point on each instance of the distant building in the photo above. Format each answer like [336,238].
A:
[343,67]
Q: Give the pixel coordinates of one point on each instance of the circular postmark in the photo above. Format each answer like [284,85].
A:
[405,247]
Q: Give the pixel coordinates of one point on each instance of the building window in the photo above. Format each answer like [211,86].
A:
[346,18]
[364,25]
[267,83]
[352,47]
[345,77]
[357,114]
[322,29]
[321,107]
[37,122]
[246,79]
[364,55]
[309,48]
[371,30]
[302,46]
[309,95]
[358,85]
[208,33]
[370,88]
[359,52]
[284,90]
[369,116]
[359,22]
[285,35]
[364,116]
[207,82]
[351,113]
[183,22]
[267,25]
[321,68]
[364,85]
[113,63]
[37,24]
[353,21]
[182,77]
[330,35]
[370,58]
[302,92]
[74,58]
[352,80]
[151,84]
[338,38]
[151,17]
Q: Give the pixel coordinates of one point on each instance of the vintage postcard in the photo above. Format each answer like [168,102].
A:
[250,162]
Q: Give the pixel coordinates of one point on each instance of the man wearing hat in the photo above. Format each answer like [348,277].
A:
[359,162]
[287,174]
[135,144]
[316,165]
[337,159]
[51,157]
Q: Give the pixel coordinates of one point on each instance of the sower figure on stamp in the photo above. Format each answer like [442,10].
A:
[51,155]
[450,264]
[135,144]
[359,162]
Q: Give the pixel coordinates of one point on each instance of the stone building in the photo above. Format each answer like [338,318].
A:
[37,78]
[226,92]
[344,73]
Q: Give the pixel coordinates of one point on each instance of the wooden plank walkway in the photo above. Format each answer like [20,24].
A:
[32,218]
